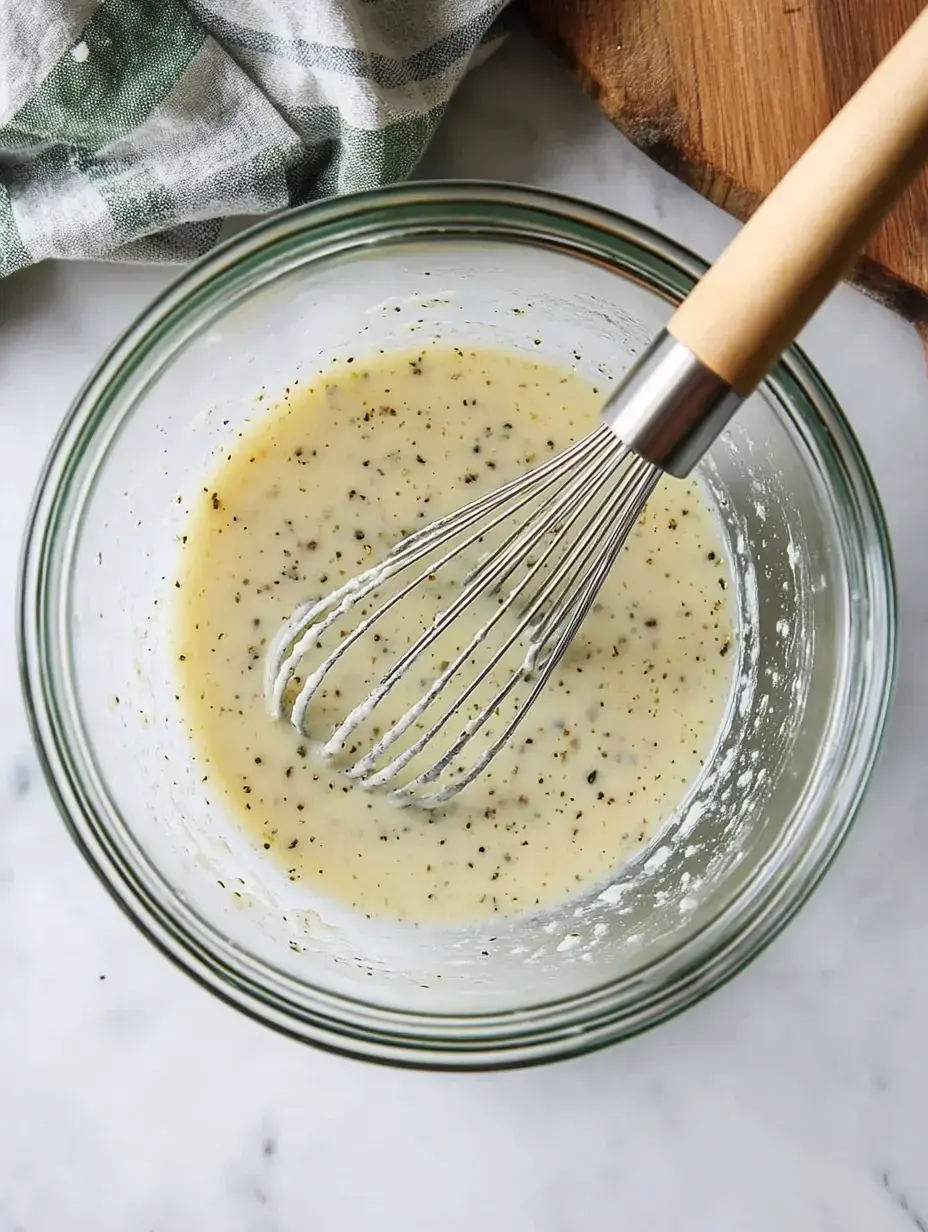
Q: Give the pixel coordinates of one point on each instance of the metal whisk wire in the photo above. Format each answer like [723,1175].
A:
[586,500]
[567,616]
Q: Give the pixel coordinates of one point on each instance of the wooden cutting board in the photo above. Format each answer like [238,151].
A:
[727,94]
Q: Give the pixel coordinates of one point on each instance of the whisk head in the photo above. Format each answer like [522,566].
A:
[510,577]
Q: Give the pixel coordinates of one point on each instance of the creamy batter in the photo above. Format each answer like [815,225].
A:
[318,489]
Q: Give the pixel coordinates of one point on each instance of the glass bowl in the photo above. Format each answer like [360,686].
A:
[482,264]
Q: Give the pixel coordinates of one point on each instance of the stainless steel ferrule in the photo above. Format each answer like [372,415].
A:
[670,407]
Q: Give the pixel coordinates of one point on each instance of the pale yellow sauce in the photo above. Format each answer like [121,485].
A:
[318,489]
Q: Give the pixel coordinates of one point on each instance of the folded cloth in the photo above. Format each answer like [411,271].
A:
[130,128]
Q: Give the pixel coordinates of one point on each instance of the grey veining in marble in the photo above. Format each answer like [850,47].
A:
[794,1098]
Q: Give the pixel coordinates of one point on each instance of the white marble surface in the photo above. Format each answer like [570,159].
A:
[796,1097]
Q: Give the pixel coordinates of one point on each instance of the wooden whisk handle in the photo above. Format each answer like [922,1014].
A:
[758,295]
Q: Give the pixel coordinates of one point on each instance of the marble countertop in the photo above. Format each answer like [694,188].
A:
[795,1097]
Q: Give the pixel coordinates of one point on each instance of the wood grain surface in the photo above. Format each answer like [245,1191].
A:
[728,93]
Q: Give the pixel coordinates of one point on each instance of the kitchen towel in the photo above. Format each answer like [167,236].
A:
[131,128]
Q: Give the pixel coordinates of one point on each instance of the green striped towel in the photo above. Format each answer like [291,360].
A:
[130,128]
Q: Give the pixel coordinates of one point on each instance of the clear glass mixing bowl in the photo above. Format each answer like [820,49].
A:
[488,265]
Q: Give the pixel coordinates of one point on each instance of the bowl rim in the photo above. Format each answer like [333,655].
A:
[503,1039]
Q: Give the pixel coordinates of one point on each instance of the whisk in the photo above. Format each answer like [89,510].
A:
[562,525]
